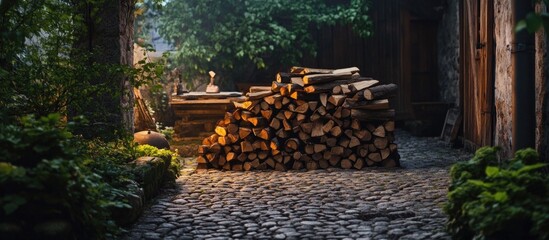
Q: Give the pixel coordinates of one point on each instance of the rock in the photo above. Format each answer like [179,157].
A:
[149,173]
[127,216]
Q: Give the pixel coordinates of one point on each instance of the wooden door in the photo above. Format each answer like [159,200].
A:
[477,71]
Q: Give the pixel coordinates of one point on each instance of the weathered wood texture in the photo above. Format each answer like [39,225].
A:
[476,74]
[379,56]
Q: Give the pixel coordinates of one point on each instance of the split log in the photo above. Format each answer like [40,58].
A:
[281,133]
[263,133]
[323,163]
[302,108]
[317,129]
[286,125]
[313,105]
[298,81]
[324,99]
[359,164]
[334,160]
[317,148]
[246,146]
[385,153]
[271,99]
[267,114]
[379,131]
[221,131]
[259,95]
[376,157]
[354,142]
[275,124]
[381,91]
[223,141]
[283,77]
[336,131]
[277,86]
[328,126]
[232,128]
[312,165]
[230,156]
[254,89]
[357,86]
[328,87]
[306,70]
[380,142]
[346,164]
[256,121]
[337,100]
[291,145]
[389,126]
[247,105]
[297,165]
[322,78]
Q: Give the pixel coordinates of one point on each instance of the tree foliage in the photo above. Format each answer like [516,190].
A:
[235,37]
[48,65]
[535,21]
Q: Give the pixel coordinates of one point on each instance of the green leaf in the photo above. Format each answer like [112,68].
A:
[521,25]
[534,22]
[528,168]
[12,203]
[501,196]
[480,183]
[491,171]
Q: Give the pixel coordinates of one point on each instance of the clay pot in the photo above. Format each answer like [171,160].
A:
[151,138]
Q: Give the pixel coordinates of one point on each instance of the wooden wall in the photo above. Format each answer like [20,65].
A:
[379,56]
[477,76]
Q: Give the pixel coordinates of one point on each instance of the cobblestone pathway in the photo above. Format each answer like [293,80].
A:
[376,203]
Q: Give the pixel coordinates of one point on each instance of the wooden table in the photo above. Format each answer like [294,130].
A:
[198,112]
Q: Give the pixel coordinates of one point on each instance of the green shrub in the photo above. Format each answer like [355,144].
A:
[491,199]
[46,188]
[166,155]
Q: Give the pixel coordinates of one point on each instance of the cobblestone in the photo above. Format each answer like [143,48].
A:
[374,203]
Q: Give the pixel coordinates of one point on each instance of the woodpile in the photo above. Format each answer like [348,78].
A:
[309,118]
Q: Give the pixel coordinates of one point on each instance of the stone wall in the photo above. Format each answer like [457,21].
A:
[503,74]
[448,53]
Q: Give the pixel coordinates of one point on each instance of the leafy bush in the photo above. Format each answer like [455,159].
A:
[166,155]
[489,199]
[46,189]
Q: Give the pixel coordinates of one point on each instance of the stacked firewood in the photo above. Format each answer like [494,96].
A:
[309,118]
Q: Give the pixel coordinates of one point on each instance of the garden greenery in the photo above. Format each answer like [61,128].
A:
[44,182]
[61,175]
[50,177]
[45,69]
[493,199]
[236,37]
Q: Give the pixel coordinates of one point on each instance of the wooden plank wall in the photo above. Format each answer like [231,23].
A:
[476,72]
[379,56]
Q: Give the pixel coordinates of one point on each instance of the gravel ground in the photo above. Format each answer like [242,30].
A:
[373,203]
